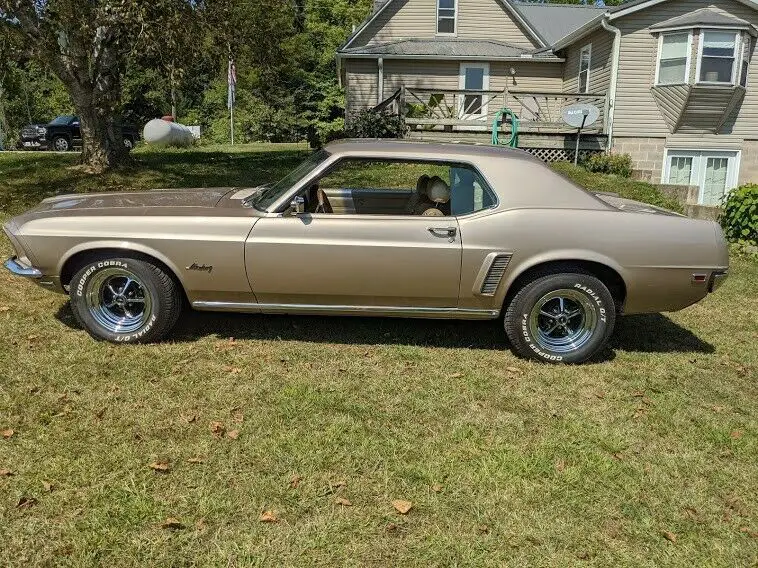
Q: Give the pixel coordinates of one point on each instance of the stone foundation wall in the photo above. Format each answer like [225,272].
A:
[647,156]
[749,162]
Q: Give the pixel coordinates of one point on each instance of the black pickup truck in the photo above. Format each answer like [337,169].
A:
[63,134]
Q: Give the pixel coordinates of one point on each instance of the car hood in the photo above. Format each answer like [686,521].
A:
[632,206]
[157,198]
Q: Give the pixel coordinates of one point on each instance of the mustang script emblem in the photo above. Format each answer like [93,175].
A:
[200,267]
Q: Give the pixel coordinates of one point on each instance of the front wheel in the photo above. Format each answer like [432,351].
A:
[61,144]
[124,300]
[561,318]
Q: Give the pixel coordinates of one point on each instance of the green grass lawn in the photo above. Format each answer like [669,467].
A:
[648,458]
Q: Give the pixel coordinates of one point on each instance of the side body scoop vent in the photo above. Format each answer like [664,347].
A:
[498,264]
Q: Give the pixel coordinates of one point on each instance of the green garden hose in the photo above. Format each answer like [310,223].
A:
[513,142]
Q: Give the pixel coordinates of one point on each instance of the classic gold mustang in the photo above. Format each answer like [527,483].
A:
[381,228]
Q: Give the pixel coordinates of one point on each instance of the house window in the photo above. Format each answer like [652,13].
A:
[674,58]
[718,56]
[713,172]
[585,61]
[446,16]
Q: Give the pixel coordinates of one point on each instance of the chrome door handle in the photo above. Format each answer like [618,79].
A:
[443,232]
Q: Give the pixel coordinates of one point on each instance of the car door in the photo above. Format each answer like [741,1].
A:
[368,262]
[76,132]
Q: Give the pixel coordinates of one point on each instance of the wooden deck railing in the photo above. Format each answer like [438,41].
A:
[475,110]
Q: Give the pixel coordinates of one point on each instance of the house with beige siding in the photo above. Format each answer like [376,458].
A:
[675,81]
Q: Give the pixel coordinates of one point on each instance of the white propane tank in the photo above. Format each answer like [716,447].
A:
[164,133]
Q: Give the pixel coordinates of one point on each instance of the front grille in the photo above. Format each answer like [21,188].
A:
[495,274]
[29,132]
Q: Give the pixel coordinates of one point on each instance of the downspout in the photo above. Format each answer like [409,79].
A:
[338,61]
[380,82]
[614,76]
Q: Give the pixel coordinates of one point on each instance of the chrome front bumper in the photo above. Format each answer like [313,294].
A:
[19,269]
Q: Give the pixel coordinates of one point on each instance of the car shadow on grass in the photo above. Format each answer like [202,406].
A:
[651,333]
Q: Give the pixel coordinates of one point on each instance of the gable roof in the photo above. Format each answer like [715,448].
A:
[449,47]
[507,4]
[552,26]
[701,18]
[636,5]
[556,21]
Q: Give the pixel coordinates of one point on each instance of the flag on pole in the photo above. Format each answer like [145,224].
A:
[232,84]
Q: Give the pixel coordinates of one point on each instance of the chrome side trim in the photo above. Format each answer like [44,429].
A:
[326,309]
[19,269]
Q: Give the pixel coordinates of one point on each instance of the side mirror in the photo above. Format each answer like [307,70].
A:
[298,205]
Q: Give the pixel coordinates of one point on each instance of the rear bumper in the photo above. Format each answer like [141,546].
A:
[19,269]
[717,279]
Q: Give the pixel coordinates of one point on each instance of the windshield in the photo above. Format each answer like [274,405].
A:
[63,120]
[265,198]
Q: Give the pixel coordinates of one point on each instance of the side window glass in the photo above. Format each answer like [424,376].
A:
[392,187]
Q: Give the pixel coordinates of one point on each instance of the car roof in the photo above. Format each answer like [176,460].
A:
[387,147]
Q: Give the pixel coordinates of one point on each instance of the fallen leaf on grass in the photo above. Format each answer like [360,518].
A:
[196,459]
[6,473]
[47,486]
[238,417]
[638,394]
[8,434]
[484,529]
[560,465]
[161,466]
[691,512]
[514,370]
[391,527]
[172,523]
[190,418]
[716,408]
[342,501]
[295,481]
[437,487]
[455,376]
[26,502]
[5,308]
[747,531]
[617,456]
[217,428]
[200,524]
[600,395]
[100,413]
[268,517]
[736,435]
[233,370]
[401,506]
[669,536]
[233,434]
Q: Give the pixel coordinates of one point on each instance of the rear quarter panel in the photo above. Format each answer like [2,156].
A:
[656,255]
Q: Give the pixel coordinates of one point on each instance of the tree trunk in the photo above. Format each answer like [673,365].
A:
[102,139]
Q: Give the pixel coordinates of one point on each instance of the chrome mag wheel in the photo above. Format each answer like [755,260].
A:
[118,301]
[563,321]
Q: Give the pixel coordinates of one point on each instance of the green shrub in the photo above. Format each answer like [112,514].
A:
[616,164]
[740,216]
[376,124]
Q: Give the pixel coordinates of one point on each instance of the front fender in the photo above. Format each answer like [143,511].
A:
[126,246]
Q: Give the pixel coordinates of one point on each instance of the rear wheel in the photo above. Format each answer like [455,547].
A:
[124,300]
[561,318]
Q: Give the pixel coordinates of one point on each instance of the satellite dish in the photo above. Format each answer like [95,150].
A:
[580,115]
